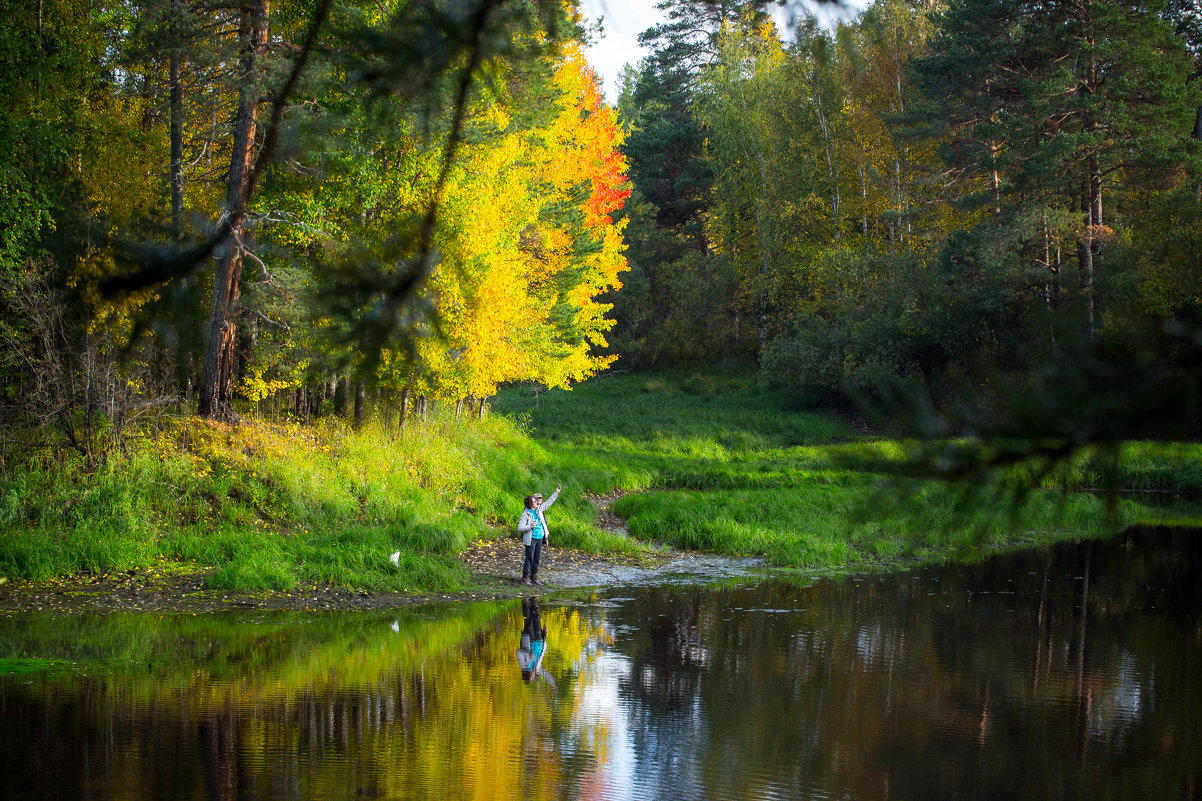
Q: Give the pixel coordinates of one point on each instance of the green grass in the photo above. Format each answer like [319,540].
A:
[272,507]
[717,464]
[23,666]
[709,462]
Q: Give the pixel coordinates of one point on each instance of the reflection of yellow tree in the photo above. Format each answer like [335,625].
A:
[891,687]
[432,708]
[488,733]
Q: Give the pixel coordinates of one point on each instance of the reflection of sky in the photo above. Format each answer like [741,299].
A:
[844,688]
[603,715]
[1120,702]
[640,750]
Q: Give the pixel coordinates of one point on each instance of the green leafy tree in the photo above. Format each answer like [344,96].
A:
[1186,19]
[681,303]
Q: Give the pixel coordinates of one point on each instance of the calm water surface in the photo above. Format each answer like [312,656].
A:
[1074,673]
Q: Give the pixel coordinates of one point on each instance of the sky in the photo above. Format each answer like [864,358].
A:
[624,20]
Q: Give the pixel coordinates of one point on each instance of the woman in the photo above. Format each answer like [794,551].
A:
[533,527]
[532,645]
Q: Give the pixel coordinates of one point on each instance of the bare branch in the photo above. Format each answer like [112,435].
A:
[251,311]
[267,277]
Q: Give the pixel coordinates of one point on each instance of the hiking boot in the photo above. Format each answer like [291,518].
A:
[526,581]
[534,580]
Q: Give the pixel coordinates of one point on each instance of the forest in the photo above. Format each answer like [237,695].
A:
[984,216]
[931,191]
[226,203]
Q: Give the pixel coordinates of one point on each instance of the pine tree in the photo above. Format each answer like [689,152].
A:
[1049,105]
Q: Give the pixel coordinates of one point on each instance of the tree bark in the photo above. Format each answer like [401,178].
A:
[315,395]
[341,390]
[387,396]
[1092,249]
[761,234]
[827,139]
[216,386]
[995,179]
[360,403]
[1198,136]
[177,129]
[1051,264]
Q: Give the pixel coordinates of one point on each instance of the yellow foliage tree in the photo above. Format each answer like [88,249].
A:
[528,243]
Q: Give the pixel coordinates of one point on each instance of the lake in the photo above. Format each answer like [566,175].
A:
[1068,673]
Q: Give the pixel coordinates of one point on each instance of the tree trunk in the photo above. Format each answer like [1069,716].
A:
[386,398]
[1093,200]
[216,386]
[832,173]
[483,407]
[862,168]
[1092,252]
[1051,263]
[405,393]
[995,179]
[761,235]
[341,390]
[1198,136]
[1085,266]
[177,131]
[360,403]
[316,396]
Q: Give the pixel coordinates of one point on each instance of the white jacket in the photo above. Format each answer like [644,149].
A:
[527,520]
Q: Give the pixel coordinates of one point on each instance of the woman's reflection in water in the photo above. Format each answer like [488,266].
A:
[532,646]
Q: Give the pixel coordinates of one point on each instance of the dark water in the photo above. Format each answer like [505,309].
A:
[1074,673]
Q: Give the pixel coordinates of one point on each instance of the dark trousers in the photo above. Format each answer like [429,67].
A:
[534,552]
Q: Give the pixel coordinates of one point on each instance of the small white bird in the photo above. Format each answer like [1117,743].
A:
[395,556]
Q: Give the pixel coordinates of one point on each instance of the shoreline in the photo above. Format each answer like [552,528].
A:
[318,509]
[495,568]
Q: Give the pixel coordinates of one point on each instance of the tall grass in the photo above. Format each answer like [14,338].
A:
[273,507]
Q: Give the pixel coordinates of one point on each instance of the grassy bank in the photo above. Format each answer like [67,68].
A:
[706,462]
[276,507]
[719,464]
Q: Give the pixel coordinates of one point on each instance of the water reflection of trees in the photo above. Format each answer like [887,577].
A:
[1062,677]
[1068,676]
[435,708]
